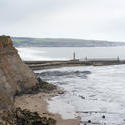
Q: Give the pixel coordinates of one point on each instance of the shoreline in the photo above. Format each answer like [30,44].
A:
[38,103]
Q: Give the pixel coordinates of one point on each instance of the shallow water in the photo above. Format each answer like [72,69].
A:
[90,95]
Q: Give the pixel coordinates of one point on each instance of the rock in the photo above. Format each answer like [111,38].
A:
[25,117]
[45,86]
[89,121]
[15,76]
[82,97]
[61,92]
[103,116]
[39,80]
[86,72]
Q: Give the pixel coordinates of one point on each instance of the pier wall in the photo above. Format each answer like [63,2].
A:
[39,65]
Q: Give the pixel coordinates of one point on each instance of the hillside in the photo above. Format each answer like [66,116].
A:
[61,42]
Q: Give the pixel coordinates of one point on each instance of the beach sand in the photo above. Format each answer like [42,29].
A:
[38,103]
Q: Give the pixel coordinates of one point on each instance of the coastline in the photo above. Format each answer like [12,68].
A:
[38,103]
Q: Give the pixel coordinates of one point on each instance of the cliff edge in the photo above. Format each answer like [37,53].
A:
[15,76]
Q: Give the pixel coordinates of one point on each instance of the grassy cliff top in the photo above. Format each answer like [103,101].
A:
[4,38]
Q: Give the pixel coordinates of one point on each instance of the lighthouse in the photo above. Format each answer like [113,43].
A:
[74,56]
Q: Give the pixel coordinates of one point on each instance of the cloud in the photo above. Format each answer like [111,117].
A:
[87,19]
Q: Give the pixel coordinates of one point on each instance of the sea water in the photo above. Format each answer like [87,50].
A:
[91,92]
[66,53]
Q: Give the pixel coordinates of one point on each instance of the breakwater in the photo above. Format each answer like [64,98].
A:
[39,65]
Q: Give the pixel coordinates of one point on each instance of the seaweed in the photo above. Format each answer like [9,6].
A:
[25,117]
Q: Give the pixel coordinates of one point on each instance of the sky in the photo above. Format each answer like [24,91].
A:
[82,19]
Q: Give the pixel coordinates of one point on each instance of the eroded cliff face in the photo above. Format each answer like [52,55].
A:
[15,76]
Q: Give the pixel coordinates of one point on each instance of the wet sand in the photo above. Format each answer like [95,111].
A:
[38,103]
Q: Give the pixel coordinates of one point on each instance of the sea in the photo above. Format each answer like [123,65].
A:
[94,93]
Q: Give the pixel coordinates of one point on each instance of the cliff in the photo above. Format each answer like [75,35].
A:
[15,76]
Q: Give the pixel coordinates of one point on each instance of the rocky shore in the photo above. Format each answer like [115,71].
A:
[23,95]
[38,103]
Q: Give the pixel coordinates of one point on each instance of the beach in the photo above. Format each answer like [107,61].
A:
[38,103]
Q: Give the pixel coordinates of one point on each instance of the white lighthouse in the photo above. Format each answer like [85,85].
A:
[74,56]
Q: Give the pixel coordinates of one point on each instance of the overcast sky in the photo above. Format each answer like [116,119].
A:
[85,19]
